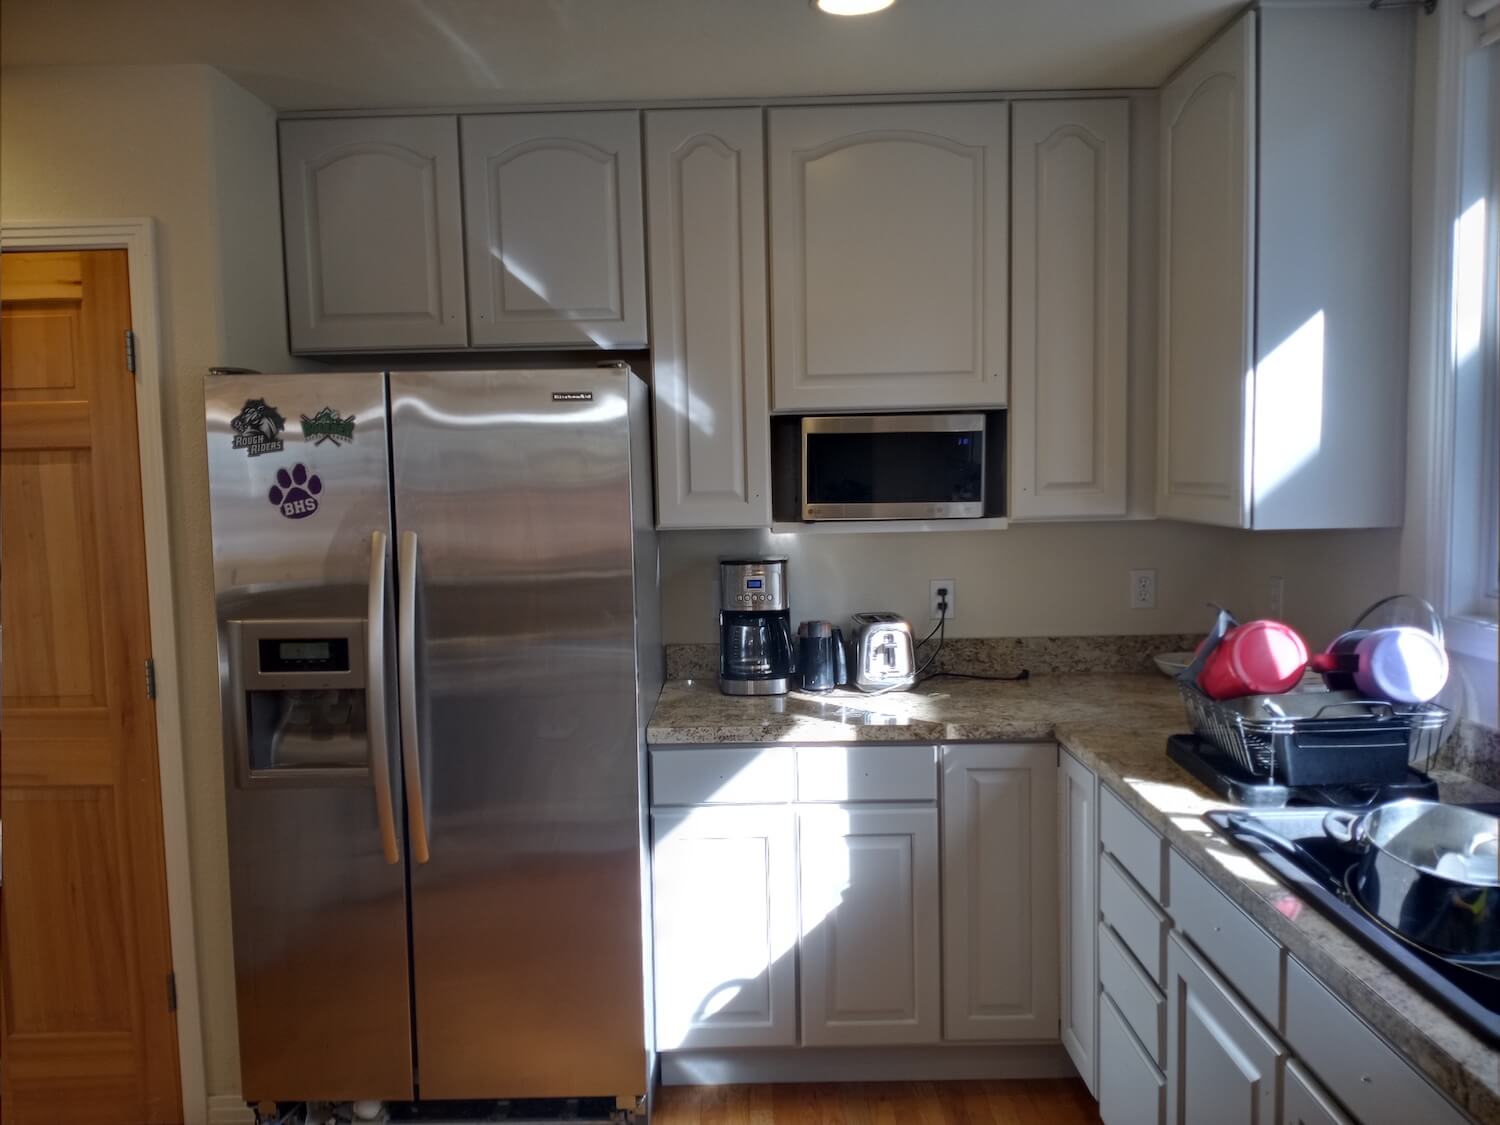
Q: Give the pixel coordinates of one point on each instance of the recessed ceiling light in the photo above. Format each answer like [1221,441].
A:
[852,7]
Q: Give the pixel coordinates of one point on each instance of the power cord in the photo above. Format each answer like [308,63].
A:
[942,635]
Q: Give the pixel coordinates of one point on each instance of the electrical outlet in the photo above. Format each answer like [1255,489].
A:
[1275,597]
[1143,589]
[934,597]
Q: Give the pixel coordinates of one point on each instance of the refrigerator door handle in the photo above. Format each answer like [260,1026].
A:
[380,766]
[406,658]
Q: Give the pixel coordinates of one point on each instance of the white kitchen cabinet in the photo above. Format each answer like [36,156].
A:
[1000,915]
[1306,1103]
[1223,1064]
[1078,899]
[1285,204]
[724,918]
[553,226]
[1132,1091]
[705,195]
[373,233]
[869,924]
[889,264]
[1069,345]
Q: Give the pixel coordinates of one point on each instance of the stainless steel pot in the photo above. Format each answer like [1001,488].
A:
[1428,871]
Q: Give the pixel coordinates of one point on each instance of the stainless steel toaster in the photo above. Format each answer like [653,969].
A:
[884,657]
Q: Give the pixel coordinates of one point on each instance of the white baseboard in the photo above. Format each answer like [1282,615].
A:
[864,1064]
[229,1109]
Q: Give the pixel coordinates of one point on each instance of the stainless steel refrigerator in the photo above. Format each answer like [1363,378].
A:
[438,649]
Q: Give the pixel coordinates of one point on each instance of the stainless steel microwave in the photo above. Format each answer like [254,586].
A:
[893,467]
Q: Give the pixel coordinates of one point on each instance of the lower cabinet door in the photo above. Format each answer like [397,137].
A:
[1000,917]
[1131,1090]
[724,907]
[1222,1063]
[869,926]
[1307,1103]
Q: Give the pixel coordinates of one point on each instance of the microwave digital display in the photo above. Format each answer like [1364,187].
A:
[893,467]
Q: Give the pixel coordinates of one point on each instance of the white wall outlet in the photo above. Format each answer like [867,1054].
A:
[934,596]
[1143,589]
[1275,597]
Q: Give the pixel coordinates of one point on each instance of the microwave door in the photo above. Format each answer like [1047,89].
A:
[893,466]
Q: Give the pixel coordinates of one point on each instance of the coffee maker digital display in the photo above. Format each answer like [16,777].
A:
[757,654]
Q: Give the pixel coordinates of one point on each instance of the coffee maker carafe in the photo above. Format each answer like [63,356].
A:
[756,649]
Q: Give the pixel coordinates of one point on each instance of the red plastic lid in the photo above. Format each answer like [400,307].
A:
[1267,656]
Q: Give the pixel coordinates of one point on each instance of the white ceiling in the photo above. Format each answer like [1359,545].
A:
[310,54]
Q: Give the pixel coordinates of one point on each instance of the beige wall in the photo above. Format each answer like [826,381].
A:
[189,148]
[1046,579]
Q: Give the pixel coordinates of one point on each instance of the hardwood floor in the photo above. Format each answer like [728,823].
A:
[1062,1101]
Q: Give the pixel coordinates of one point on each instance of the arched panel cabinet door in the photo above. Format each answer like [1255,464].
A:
[889,266]
[1069,346]
[705,196]
[374,233]
[552,209]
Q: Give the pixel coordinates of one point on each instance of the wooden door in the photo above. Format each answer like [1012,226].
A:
[552,219]
[1223,1064]
[1069,345]
[869,924]
[1078,897]
[374,233]
[724,904]
[705,171]
[1000,916]
[88,1028]
[1207,266]
[888,255]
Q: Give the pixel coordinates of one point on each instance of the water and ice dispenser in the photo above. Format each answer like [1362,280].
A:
[302,692]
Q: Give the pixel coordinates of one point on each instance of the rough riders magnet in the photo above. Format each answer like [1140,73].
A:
[326,425]
[257,428]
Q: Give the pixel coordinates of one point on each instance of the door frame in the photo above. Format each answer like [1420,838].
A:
[137,237]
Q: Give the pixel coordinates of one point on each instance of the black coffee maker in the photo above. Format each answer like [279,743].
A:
[757,653]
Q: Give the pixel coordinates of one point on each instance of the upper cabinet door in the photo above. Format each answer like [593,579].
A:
[374,233]
[889,263]
[552,207]
[1069,345]
[1207,227]
[705,177]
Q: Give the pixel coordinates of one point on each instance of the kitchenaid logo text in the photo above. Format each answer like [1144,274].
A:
[572,396]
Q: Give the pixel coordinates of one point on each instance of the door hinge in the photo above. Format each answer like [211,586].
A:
[130,351]
[150,678]
[171,992]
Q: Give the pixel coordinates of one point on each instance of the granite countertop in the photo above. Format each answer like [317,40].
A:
[1117,725]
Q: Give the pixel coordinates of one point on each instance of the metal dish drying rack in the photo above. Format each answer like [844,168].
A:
[1329,734]
[1258,743]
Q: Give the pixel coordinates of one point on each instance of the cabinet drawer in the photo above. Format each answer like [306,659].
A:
[1304,1102]
[722,776]
[1131,1090]
[1139,922]
[1359,1067]
[1139,1001]
[867,773]
[1244,954]
[1139,847]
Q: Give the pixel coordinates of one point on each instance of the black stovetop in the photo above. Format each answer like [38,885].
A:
[1292,844]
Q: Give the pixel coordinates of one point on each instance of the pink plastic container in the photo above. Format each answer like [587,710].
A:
[1256,658]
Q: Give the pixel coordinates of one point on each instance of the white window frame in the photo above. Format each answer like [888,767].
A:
[1453,496]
